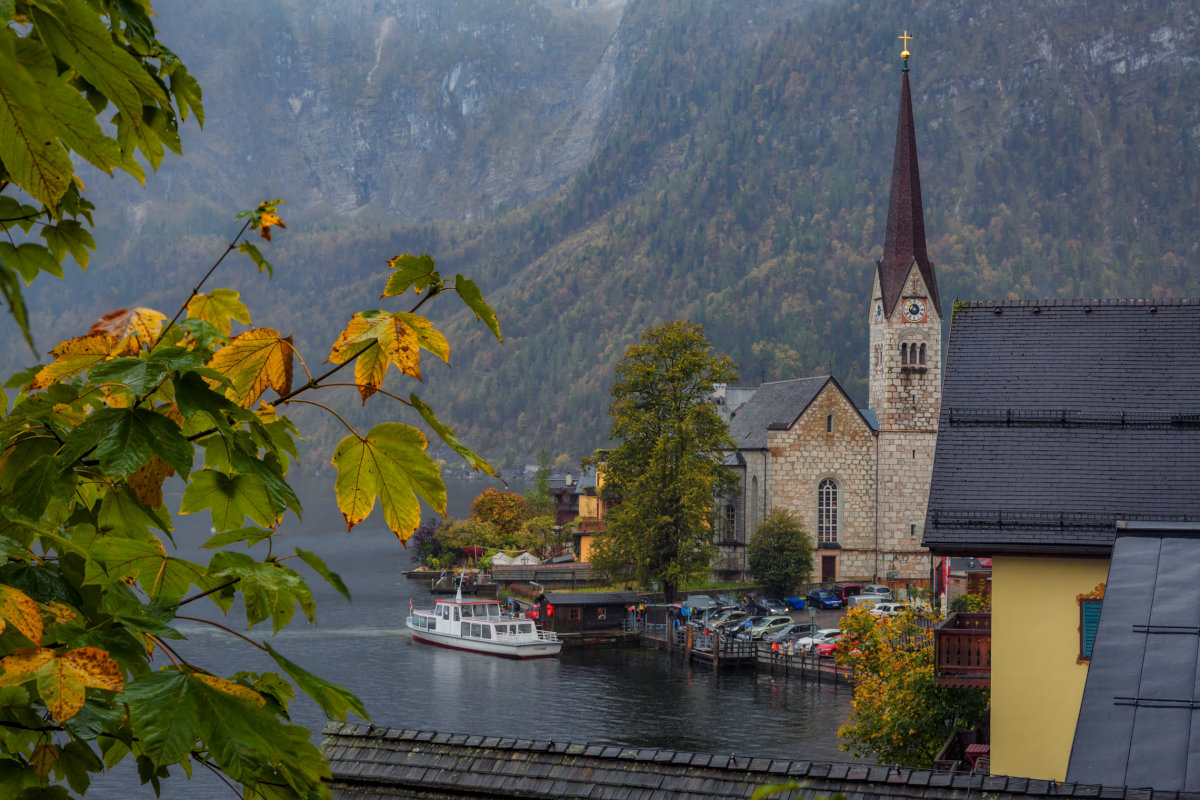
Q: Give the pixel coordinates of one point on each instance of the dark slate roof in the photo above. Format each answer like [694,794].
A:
[904,239]
[370,763]
[592,598]
[1059,418]
[777,404]
[1139,722]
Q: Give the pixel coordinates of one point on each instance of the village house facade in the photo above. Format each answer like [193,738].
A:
[857,479]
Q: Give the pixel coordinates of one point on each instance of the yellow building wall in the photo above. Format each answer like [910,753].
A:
[585,548]
[1037,682]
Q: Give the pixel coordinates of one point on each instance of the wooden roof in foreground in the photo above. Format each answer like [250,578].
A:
[369,762]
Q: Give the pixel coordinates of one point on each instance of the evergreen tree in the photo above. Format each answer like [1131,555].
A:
[667,466]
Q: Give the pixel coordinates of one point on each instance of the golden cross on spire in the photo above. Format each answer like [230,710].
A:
[906,38]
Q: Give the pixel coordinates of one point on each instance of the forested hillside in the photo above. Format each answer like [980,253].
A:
[730,166]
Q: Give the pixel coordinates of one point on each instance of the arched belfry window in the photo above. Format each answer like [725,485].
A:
[904,353]
[921,357]
[827,511]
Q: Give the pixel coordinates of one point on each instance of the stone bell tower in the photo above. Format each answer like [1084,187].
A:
[905,319]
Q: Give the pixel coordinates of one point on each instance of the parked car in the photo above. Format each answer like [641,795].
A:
[738,627]
[825,649]
[876,592]
[797,630]
[724,618]
[732,620]
[823,598]
[890,609]
[764,625]
[729,601]
[768,605]
[820,637]
[846,591]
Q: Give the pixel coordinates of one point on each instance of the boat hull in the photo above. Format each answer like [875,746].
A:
[515,650]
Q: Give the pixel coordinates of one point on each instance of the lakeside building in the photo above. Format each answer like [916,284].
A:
[857,479]
[1069,453]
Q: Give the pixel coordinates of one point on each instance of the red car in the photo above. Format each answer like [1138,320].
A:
[825,649]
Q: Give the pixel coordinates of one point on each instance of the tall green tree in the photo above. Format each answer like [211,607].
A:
[93,669]
[666,467]
[780,553]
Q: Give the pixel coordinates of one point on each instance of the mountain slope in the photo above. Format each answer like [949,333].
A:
[630,163]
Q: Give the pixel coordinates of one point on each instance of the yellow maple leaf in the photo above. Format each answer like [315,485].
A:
[395,337]
[44,757]
[219,309]
[255,361]
[231,688]
[266,221]
[129,330]
[147,482]
[62,679]
[71,357]
[60,611]
[18,608]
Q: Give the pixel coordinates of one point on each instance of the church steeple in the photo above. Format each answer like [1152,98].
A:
[904,240]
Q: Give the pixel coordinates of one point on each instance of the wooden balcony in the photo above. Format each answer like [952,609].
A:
[964,651]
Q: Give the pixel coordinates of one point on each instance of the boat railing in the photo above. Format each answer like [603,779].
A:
[547,636]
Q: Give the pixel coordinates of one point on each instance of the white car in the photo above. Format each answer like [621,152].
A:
[875,593]
[890,609]
[823,635]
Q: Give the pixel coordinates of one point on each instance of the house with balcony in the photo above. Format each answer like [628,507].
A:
[1068,452]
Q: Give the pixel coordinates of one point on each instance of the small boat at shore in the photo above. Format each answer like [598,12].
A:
[481,626]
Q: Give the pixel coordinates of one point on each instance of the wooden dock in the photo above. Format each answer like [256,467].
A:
[738,654]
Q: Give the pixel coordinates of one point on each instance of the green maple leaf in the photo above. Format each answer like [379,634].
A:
[333,699]
[390,464]
[230,498]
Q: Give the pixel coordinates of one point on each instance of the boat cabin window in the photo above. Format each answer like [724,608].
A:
[445,612]
[487,631]
[465,630]
[476,630]
[501,630]
[456,613]
[525,627]
[479,610]
[467,611]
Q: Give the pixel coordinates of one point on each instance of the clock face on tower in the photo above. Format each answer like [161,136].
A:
[914,309]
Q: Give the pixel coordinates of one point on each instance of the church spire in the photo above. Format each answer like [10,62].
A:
[904,240]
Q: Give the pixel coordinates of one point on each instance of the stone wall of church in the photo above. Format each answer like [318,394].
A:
[806,454]
[905,470]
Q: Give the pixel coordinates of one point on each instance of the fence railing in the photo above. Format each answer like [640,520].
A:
[964,651]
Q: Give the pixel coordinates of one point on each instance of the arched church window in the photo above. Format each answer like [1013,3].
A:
[921,357]
[904,353]
[827,511]
[730,521]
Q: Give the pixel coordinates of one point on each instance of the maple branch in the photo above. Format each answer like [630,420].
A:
[232,246]
[228,583]
[331,411]
[225,628]
[220,773]
[385,392]
[315,382]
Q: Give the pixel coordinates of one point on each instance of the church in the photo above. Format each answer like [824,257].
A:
[857,479]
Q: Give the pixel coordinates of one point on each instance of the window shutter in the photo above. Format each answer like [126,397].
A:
[1089,620]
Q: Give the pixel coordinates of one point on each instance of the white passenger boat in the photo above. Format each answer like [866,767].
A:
[481,626]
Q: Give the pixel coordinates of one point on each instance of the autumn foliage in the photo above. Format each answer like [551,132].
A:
[900,715]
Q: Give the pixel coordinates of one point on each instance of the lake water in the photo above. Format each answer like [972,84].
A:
[635,697]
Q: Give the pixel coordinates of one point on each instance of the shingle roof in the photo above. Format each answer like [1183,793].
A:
[1060,417]
[1139,721]
[904,237]
[777,403]
[369,763]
